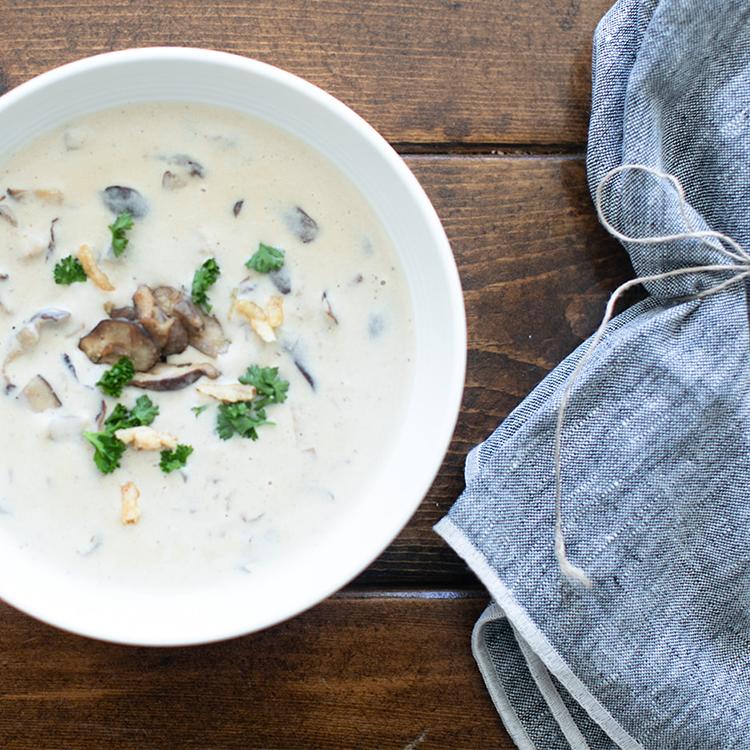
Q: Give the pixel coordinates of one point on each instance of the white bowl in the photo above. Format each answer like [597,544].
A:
[137,617]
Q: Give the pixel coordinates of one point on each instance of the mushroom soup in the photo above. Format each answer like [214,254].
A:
[208,344]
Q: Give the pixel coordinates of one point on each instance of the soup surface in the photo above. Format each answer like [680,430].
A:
[172,201]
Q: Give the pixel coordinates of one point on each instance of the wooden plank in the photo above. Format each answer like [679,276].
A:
[485,71]
[536,269]
[356,671]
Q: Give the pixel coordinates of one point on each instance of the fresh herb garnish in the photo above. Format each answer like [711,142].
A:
[242,418]
[245,417]
[204,278]
[266,259]
[271,388]
[117,377]
[69,270]
[198,410]
[176,459]
[108,449]
[143,413]
[122,224]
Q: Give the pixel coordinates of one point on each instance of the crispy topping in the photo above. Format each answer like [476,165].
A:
[130,511]
[228,394]
[275,311]
[48,197]
[97,276]
[146,438]
[261,321]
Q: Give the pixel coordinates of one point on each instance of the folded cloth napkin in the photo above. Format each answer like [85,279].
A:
[656,439]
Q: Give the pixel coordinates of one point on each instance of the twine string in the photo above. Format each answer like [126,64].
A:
[740,270]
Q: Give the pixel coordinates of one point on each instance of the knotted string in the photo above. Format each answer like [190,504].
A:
[740,270]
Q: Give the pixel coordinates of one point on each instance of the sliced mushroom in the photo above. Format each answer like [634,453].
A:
[167,377]
[7,215]
[231,393]
[167,332]
[151,316]
[175,302]
[127,312]
[69,366]
[29,333]
[204,332]
[329,309]
[304,372]
[194,168]
[172,181]
[210,340]
[101,415]
[280,279]
[301,224]
[112,339]
[52,244]
[294,351]
[40,395]
[119,199]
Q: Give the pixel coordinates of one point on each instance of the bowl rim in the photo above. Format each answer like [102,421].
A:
[457,343]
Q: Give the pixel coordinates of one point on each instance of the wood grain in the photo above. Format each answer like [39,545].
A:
[536,270]
[434,71]
[356,671]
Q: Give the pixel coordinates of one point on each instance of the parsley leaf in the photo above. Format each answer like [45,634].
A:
[69,270]
[108,450]
[266,259]
[117,377]
[242,418]
[198,410]
[176,459]
[144,410]
[122,224]
[204,278]
[271,388]
[143,413]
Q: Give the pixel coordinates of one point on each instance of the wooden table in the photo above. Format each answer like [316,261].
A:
[488,102]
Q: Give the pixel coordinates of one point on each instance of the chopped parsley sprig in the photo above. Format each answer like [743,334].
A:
[270,387]
[242,418]
[245,417]
[117,377]
[68,271]
[176,459]
[108,449]
[266,259]
[122,224]
[204,278]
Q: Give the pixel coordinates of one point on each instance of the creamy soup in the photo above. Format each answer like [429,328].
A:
[103,226]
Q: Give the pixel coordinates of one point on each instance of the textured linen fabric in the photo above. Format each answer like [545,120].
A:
[656,444]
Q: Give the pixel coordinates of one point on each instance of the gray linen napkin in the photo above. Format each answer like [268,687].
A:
[656,445]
